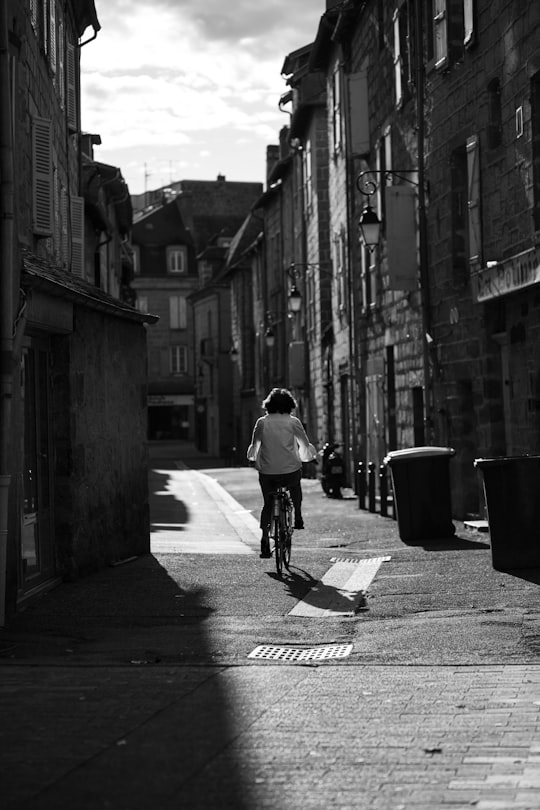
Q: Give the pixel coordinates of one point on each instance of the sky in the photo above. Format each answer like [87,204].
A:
[189,89]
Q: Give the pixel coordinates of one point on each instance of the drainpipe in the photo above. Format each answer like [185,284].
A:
[422,225]
[7,370]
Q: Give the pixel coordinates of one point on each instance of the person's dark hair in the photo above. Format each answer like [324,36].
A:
[279,400]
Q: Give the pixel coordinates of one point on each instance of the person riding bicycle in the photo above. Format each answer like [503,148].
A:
[278,447]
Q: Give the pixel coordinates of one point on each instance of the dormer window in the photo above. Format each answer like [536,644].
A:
[176,259]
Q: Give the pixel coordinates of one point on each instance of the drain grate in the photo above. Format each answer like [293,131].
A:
[269,652]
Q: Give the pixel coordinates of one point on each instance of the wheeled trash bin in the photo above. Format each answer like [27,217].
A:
[421,484]
[512,492]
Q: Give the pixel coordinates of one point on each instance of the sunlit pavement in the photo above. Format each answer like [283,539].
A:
[390,676]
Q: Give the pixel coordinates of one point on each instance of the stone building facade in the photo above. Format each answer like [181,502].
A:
[483,157]
[73,473]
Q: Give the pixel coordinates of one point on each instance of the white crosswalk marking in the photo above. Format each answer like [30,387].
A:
[340,591]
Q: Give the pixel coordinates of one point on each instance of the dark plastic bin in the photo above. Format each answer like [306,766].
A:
[421,483]
[512,491]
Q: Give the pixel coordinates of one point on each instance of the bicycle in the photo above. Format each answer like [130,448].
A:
[281,527]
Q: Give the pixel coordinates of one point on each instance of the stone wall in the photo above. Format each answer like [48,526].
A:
[99,401]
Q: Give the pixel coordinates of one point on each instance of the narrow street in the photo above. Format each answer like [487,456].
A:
[374,675]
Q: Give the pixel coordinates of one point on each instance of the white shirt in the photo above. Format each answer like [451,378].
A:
[279,444]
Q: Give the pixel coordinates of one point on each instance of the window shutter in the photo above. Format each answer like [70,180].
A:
[468,19]
[359,112]
[77,236]
[397,60]
[173,312]
[440,33]
[42,176]
[52,35]
[64,223]
[473,181]
[71,78]
[34,14]
[61,78]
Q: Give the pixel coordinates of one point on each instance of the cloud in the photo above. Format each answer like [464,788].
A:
[166,74]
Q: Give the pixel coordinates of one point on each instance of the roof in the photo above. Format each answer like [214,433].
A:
[244,240]
[166,227]
[40,274]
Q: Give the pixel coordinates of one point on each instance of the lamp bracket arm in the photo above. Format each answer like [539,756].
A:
[367,186]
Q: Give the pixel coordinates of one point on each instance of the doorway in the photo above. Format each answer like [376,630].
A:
[36,558]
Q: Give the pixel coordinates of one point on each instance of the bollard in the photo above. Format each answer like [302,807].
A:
[361,485]
[383,489]
[371,486]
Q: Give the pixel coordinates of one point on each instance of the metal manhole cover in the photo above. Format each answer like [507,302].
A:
[269,652]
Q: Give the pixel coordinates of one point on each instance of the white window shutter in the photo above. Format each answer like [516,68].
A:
[71,78]
[52,35]
[42,180]
[397,60]
[77,236]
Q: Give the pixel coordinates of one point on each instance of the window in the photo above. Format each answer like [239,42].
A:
[176,259]
[136,253]
[177,312]
[336,109]
[142,303]
[340,269]
[466,208]
[452,29]
[535,139]
[403,51]
[178,358]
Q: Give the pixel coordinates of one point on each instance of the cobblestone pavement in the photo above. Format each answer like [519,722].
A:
[132,689]
[272,736]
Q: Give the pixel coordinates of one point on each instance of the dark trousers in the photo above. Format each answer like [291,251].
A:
[269,484]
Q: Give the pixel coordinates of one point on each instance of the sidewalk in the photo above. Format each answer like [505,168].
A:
[133,688]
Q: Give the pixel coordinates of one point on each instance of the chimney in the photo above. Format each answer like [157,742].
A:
[272,157]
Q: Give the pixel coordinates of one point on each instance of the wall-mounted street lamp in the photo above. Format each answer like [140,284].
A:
[269,337]
[295,299]
[369,224]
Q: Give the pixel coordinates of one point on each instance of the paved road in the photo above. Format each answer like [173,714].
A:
[135,688]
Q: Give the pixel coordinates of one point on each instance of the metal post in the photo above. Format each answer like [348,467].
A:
[371,487]
[361,485]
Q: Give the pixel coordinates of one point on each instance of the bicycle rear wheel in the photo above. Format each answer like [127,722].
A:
[287,536]
[278,545]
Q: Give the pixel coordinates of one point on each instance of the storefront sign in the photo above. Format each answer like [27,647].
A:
[168,400]
[501,278]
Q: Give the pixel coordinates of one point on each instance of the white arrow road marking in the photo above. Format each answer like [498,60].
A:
[340,591]
[221,526]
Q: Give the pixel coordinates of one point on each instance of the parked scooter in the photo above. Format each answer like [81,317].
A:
[333,471]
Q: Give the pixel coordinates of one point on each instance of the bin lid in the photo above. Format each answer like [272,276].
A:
[502,460]
[417,452]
